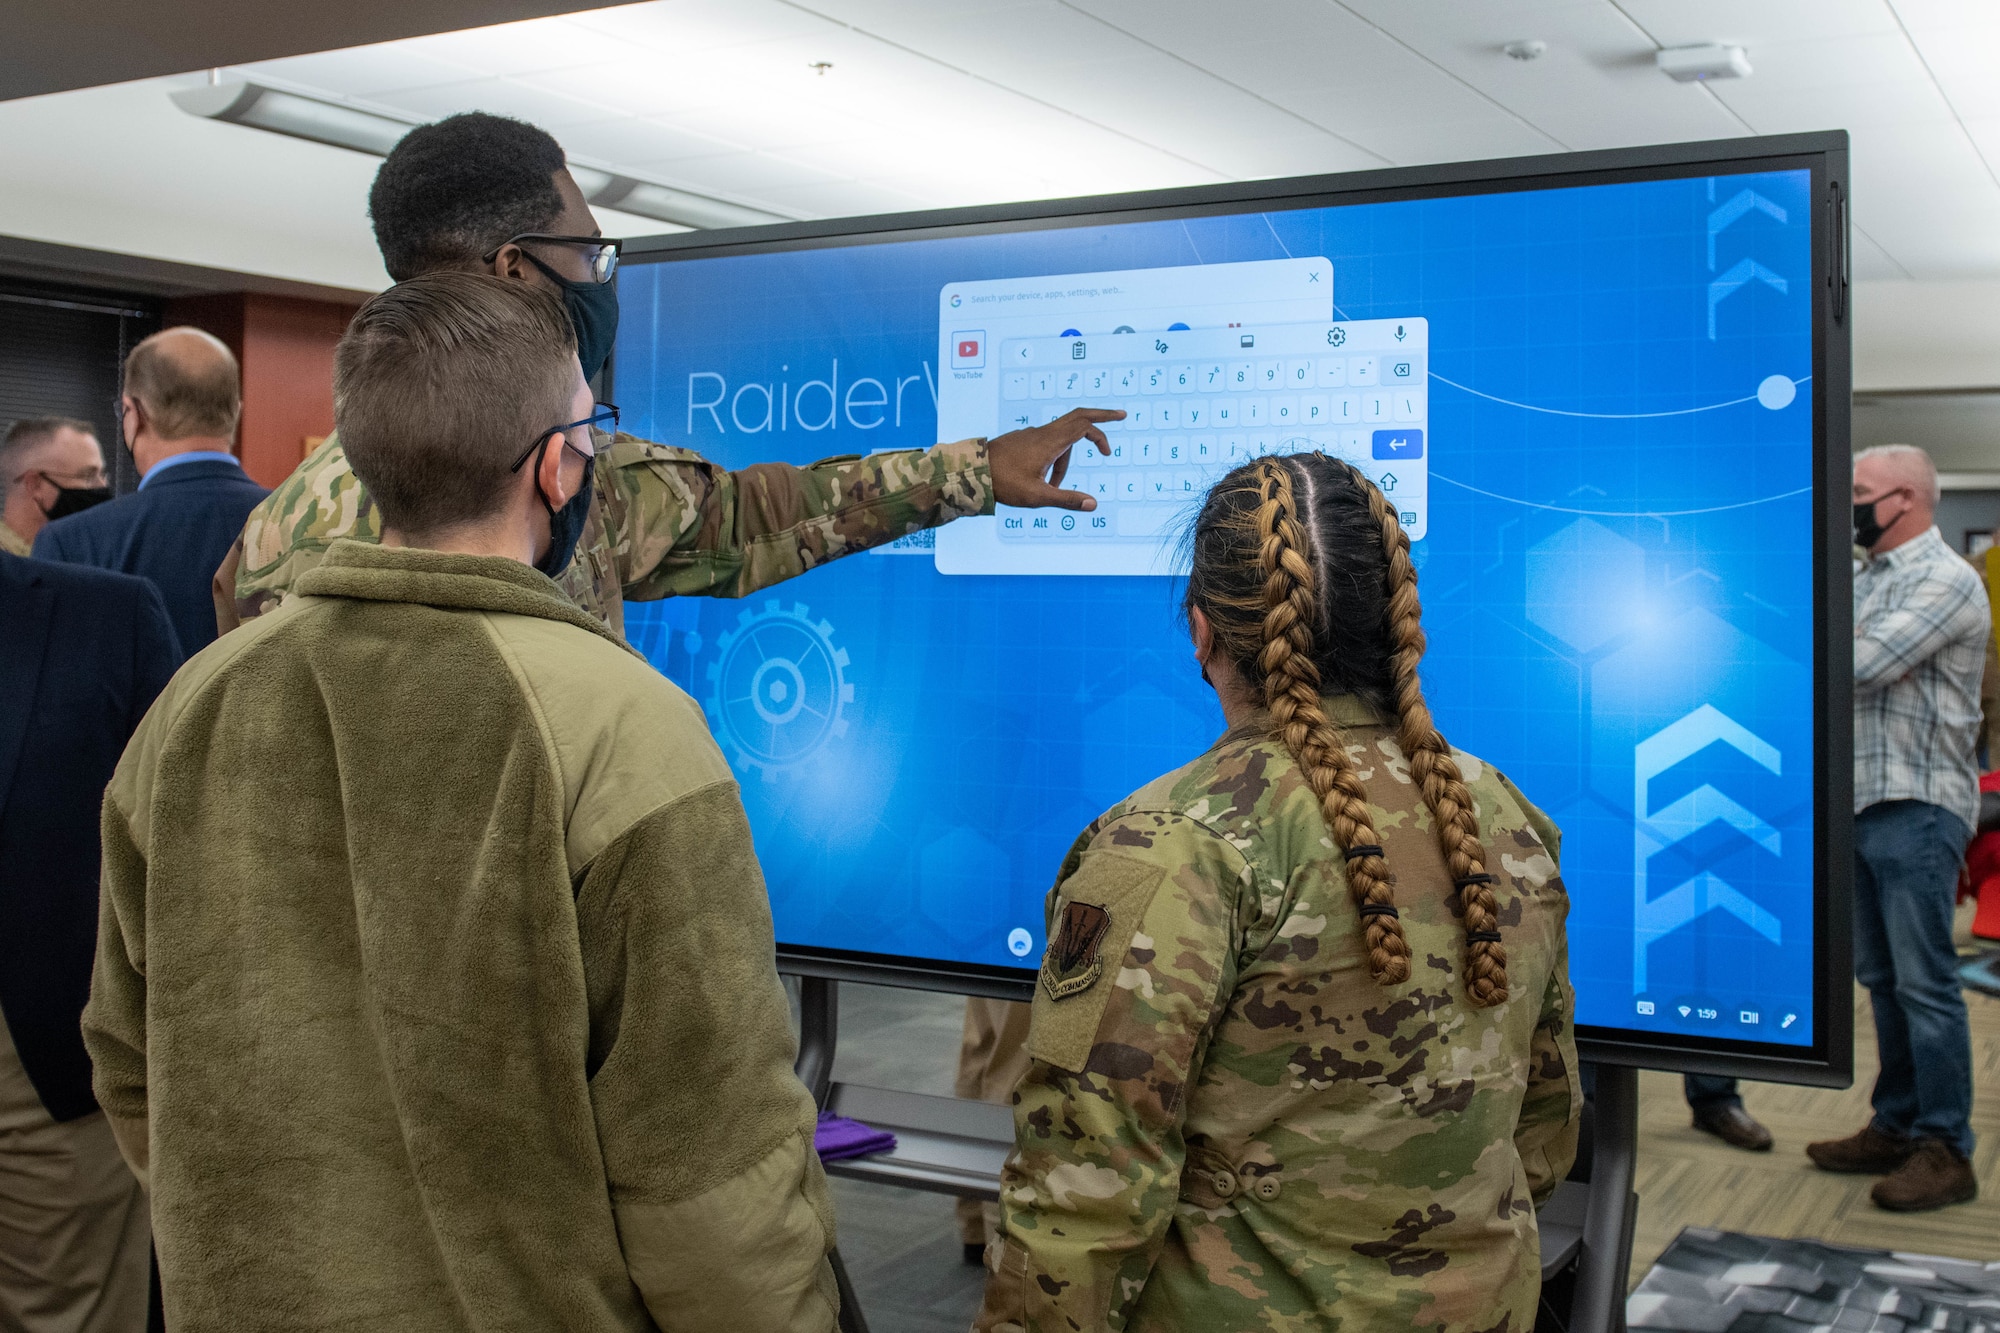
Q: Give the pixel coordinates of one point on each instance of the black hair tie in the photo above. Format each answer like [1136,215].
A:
[1379,909]
[1362,849]
[1482,936]
[1470,880]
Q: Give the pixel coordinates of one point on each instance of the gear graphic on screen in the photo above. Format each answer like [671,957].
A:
[778,688]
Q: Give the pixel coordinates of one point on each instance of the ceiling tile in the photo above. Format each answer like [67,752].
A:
[366,71]
[1465,141]
[1082,96]
[742,174]
[1833,62]
[846,199]
[516,48]
[630,140]
[1775,110]
[684,28]
[1595,86]
[1751,22]
[635,87]
[1963,63]
[1925,17]
[502,97]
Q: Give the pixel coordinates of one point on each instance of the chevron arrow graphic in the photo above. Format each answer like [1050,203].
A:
[1740,205]
[1741,275]
[1655,831]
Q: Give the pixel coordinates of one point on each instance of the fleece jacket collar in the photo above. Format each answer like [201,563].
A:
[366,572]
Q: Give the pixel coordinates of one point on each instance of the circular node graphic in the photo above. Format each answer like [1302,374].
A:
[778,688]
[1019,942]
[1777,391]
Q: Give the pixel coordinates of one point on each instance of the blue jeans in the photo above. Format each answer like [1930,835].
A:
[1906,859]
[1707,1091]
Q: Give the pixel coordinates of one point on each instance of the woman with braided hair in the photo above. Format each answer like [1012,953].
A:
[1301,1053]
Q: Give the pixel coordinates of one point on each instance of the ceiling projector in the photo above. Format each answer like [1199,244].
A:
[1697,64]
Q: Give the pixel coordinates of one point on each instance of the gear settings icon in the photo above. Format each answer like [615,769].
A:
[778,688]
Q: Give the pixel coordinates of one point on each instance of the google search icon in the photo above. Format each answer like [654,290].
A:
[954,302]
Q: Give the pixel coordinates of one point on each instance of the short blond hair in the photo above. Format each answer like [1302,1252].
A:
[185,395]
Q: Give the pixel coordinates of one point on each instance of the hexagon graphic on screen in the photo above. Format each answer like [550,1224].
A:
[1585,584]
[963,879]
[1121,746]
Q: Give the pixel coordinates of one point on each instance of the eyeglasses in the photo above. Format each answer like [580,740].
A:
[603,412]
[602,253]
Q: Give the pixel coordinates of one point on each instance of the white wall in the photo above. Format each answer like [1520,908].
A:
[1927,335]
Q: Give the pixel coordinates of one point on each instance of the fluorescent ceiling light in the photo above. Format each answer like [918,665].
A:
[302,117]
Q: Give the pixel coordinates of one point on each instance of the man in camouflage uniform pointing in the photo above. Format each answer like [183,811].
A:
[484,193]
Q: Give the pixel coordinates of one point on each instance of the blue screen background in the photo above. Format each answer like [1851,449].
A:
[1619,549]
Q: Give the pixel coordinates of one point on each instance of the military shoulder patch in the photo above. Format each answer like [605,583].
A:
[1075,958]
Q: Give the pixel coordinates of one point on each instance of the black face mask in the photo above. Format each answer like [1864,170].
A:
[74,499]
[566,524]
[1867,531]
[593,313]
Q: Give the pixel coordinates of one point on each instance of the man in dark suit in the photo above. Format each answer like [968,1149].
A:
[178,415]
[82,653]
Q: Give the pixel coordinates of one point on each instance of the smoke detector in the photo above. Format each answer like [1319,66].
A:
[1528,50]
[1699,64]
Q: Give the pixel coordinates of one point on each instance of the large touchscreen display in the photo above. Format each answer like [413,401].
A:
[1592,407]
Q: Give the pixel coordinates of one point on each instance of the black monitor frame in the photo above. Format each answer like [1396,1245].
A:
[1829,1061]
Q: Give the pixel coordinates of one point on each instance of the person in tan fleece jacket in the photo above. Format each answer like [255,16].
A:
[435,986]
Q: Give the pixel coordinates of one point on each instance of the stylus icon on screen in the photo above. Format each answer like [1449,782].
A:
[1788,1020]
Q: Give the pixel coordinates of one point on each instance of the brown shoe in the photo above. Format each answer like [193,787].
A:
[1934,1177]
[1734,1126]
[1869,1153]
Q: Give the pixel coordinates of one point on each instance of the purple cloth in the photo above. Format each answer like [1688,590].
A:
[837,1138]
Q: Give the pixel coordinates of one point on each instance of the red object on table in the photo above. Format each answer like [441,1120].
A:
[1982,873]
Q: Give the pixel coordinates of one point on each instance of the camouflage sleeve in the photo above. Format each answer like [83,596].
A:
[289,531]
[1143,937]
[1552,1106]
[1544,827]
[685,526]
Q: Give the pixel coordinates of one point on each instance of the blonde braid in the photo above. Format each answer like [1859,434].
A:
[1435,771]
[1291,688]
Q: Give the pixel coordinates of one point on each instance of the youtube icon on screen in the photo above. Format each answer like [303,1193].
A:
[968,350]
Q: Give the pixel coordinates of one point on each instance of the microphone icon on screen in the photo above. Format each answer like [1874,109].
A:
[1399,333]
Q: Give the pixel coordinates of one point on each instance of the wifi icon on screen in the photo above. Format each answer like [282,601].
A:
[1685,1011]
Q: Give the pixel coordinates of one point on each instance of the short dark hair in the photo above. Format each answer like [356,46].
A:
[454,191]
[440,383]
[25,436]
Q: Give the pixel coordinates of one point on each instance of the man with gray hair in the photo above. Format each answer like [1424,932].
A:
[178,415]
[1921,622]
[50,468]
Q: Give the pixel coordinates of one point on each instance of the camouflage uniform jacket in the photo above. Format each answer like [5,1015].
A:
[664,522]
[1229,1124]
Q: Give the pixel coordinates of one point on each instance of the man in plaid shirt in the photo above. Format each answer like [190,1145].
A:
[1921,622]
